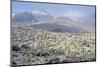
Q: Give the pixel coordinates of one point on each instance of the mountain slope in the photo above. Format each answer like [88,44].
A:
[89,23]
[29,17]
[41,15]
[60,25]
[23,17]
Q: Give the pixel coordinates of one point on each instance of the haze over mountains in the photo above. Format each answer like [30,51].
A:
[41,19]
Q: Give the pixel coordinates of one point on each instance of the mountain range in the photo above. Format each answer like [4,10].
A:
[41,19]
[30,17]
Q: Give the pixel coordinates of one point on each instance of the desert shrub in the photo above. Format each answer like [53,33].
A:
[15,55]
[56,51]
[59,52]
[65,61]
[42,54]
[14,64]
[53,60]
[25,47]
[15,48]
[85,43]
[67,48]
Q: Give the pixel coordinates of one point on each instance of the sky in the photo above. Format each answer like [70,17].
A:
[56,10]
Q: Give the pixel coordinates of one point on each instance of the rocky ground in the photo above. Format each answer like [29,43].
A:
[31,46]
